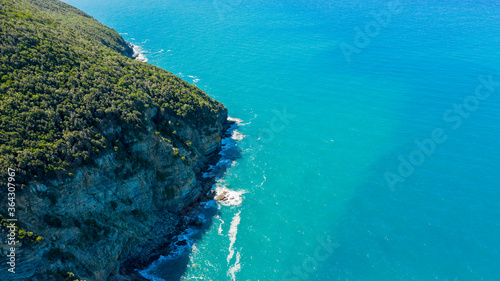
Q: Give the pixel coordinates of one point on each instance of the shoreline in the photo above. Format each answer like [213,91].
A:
[189,216]
[135,53]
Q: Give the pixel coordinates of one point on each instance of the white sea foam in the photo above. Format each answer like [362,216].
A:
[234,198]
[237,135]
[220,225]
[139,51]
[195,79]
[229,153]
[233,231]
[235,268]
[237,120]
[240,123]
[265,179]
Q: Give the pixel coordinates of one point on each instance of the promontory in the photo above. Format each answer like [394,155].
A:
[103,153]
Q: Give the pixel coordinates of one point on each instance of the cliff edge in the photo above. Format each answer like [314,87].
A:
[107,151]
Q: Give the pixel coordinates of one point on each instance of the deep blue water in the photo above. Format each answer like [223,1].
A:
[327,117]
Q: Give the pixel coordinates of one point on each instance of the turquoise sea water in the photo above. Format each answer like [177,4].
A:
[321,133]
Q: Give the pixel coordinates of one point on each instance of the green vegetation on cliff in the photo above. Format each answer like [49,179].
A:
[68,93]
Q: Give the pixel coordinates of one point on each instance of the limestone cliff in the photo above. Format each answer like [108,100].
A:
[101,224]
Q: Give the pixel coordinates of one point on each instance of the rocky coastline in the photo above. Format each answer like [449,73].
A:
[117,152]
[132,52]
[101,225]
[129,269]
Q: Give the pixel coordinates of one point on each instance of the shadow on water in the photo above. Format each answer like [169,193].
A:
[173,266]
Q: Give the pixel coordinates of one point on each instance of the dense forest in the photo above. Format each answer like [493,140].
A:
[65,80]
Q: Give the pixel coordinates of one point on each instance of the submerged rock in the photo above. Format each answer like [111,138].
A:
[222,196]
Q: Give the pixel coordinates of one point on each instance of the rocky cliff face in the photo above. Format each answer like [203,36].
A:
[109,150]
[113,217]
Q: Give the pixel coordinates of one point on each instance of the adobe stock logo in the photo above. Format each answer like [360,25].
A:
[363,37]
[277,124]
[322,252]
[454,117]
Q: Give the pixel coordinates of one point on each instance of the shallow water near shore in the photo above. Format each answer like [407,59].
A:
[320,131]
